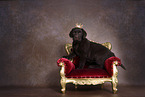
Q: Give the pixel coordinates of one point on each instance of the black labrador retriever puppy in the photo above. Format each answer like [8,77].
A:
[90,53]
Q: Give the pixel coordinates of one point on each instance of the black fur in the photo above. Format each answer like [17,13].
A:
[89,52]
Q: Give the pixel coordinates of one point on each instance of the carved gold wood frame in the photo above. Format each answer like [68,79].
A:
[88,81]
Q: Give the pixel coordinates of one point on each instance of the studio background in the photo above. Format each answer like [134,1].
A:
[33,34]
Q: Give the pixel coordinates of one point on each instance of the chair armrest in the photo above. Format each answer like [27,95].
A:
[67,64]
[110,63]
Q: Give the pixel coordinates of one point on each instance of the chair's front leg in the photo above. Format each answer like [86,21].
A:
[63,79]
[102,86]
[63,85]
[76,86]
[114,85]
[114,77]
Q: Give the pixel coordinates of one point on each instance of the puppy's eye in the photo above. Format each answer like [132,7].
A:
[74,32]
[79,32]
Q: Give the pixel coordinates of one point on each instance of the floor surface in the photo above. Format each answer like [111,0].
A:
[81,91]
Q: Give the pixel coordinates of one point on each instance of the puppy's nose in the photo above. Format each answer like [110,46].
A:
[76,38]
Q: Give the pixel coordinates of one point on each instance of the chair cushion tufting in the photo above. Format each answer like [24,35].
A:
[88,73]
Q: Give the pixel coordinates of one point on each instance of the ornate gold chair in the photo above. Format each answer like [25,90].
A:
[88,76]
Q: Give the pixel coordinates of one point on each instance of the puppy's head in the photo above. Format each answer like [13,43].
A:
[77,34]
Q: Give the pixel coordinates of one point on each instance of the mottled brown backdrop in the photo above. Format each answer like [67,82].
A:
[33,34]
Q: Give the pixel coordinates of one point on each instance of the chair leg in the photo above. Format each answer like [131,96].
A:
[102,86]
[76,86]
[114,85]
[63,85]
[114,77]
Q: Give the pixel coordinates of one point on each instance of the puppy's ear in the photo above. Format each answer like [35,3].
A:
[71,33]
[84,33]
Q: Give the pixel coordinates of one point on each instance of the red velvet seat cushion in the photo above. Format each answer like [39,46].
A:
[88,73]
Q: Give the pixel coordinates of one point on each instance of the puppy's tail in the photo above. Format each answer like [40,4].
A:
[123,66]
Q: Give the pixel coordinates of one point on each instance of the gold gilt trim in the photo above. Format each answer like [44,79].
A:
[68,48]
[87,81]
[107,45]
[63,78]
[114,77]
